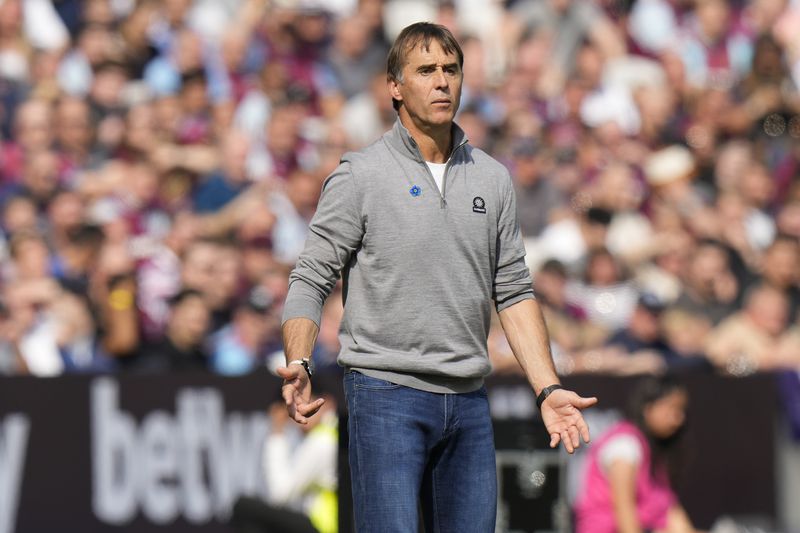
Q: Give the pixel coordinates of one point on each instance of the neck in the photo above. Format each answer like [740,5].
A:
[434,141]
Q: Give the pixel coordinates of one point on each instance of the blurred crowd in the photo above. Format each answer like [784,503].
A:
[160,162]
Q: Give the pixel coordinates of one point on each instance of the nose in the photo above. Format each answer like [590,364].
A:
[439,79]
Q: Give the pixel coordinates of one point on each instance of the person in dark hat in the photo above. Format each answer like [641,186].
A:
[643,332]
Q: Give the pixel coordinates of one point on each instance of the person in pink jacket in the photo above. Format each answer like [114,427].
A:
[627,482]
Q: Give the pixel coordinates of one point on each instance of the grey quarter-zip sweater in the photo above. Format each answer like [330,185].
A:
[420,267]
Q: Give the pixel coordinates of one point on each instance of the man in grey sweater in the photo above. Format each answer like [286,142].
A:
[424,230]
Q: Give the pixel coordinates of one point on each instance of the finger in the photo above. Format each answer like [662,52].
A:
[574,437]
[567,442]
[296,415]
[584,429]
[292,410]
[308,409]
[583,403]
[287,391]
[555,438]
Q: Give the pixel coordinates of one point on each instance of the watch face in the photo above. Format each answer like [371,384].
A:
[309,366]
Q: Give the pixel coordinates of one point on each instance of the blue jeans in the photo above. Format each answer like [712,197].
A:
[411,450]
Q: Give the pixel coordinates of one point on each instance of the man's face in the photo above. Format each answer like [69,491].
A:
[431,86]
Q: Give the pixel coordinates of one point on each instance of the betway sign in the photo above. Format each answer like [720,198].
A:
[130,454]
[191,463]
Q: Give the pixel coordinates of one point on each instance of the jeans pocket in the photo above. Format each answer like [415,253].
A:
[364,382]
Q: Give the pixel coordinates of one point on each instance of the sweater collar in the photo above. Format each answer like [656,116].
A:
[401,140]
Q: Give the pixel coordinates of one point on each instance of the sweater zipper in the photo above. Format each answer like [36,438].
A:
[442,201]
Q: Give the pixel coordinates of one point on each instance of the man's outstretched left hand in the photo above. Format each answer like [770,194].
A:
[561,413]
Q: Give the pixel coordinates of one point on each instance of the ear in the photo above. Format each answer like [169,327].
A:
[394,89]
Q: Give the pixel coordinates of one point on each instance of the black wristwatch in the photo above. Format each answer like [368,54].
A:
[305,362]
[547,391]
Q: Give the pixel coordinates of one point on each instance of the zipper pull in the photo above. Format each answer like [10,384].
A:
[442,203]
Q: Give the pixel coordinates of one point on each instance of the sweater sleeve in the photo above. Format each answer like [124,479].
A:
[512,279]
[334,236]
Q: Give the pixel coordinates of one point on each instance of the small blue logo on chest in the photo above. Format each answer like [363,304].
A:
[415,191]
[478,205]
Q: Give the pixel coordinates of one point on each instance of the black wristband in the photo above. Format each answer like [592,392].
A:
[547,391]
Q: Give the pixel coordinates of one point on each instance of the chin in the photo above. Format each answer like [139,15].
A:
[442,120]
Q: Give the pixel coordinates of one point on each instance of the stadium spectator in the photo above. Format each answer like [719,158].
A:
[225,184]
[237,347]
[182,347]
[710,287]
[537,196]
[780,268]
[756,337]
[31,134]
[565,24]
[643,334]
[686,333]
[300,475]
[354,56]
[570,240]
[632,468]
[606,293]
[715,50]
[568,324]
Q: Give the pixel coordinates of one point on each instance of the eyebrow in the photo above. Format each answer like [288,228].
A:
[434,65]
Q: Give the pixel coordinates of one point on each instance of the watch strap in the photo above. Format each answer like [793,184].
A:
[305,363]
[547,391]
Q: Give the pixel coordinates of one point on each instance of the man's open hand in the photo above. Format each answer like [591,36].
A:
[561,413]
